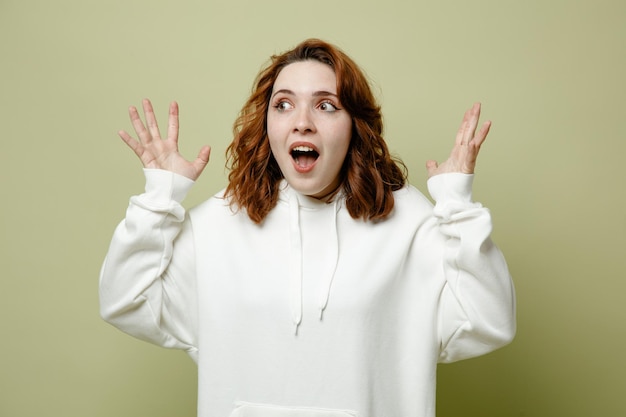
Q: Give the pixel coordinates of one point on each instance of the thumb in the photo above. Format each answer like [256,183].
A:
[431,167]
[202,159]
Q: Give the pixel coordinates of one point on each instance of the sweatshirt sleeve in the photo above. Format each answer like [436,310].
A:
[147,281]
[477,305]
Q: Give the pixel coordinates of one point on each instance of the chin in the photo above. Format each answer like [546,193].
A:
[313,190]
[308,191]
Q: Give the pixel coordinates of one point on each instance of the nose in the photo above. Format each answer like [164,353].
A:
[304,121]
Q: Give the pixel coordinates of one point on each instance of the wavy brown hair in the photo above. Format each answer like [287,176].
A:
[369,173]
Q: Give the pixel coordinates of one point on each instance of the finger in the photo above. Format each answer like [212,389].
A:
[473,148]
[474,116]
[173,124]
[202,160]
[131,142]
[151,121]
[480,137]
[140,129]
[461,135]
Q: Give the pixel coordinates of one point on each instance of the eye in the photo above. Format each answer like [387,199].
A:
[283,105]
[328,106]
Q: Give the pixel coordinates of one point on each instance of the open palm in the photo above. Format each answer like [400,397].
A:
[162,153]
[466,147]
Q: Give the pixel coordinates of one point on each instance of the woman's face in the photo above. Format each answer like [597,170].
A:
[309,131]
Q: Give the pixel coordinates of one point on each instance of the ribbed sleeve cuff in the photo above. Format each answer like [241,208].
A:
[451,187]
[165,186]
[452,193]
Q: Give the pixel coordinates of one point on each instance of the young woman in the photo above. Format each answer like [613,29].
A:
[318,283]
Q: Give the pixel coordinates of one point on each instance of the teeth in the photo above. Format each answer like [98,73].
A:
[303,149]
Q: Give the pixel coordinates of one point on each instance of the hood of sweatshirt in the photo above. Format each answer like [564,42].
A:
[297,202]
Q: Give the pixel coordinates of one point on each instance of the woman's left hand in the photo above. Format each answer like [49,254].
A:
[466,147]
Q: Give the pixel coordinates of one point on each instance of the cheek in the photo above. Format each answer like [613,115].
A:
[269,127]
[346,137]
[274,148]
[271,132]
[275,131]
[340,149]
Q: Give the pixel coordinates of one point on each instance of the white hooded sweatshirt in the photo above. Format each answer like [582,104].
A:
[311,313]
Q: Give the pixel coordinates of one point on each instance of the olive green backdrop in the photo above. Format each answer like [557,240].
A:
[550,74]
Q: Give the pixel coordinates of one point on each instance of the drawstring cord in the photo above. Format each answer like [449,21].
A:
[296,260]
[334,248]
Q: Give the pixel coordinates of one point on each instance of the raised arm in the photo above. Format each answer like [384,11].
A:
[147,281]
[477,305]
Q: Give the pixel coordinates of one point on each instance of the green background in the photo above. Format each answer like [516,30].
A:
[550,74]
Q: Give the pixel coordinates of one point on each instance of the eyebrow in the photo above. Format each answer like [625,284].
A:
[320,93]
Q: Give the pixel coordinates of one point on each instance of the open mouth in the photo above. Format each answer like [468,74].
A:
[304,156]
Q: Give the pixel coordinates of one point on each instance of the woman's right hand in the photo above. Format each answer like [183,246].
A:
[158,153]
